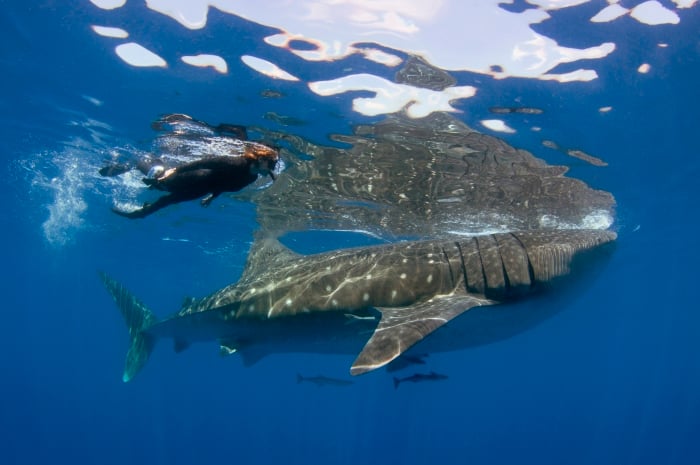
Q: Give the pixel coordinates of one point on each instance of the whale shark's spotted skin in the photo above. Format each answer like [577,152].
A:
[416,286]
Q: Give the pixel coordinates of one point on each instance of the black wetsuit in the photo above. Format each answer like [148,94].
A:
[206,177]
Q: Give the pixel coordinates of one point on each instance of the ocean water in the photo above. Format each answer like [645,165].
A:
[613,377]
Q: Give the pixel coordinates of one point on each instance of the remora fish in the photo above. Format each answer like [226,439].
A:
[321,380]
[287,302]
[405,360]
[418,377]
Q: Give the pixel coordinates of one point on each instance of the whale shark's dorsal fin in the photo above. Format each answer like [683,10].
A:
[266,252]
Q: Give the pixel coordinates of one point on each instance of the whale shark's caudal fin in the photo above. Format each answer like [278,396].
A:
[138,318]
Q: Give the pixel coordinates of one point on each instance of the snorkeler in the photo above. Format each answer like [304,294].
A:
[177,125]
[207,177]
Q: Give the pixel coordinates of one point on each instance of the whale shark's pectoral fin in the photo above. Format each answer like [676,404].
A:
[401,327]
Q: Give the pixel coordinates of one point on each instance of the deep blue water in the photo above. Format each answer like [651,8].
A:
[613,378]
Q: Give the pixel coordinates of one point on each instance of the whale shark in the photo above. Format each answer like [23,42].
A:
[431,178]
[377,301]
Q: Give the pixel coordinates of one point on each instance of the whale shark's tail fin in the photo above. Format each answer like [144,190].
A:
[138,318]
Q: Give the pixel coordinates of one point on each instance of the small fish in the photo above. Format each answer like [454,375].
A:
[418,377]
[323,380]
[352,318]
[521,110]
[551,144]
[580,154]
[269,93]
[284,120]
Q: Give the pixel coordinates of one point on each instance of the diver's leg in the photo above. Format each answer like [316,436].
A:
[149,208]
[115,169]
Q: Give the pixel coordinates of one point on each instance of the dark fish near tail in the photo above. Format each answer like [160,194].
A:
[419,377]
[323,380]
